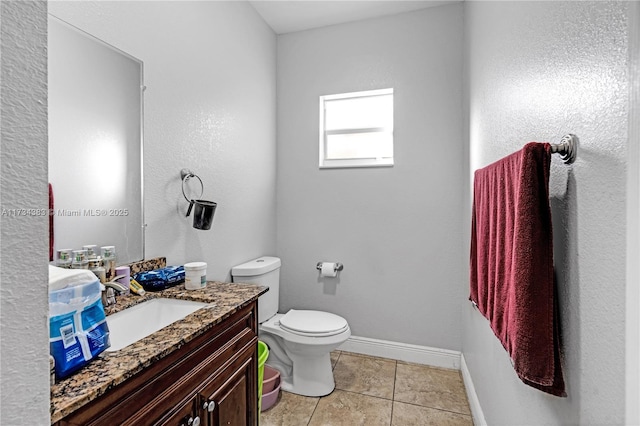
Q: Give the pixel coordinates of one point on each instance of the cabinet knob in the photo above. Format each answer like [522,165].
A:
[193,421]
[212,406]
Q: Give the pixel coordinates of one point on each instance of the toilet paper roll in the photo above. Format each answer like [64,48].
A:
[328,269]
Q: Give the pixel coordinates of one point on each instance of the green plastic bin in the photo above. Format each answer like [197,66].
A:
[263,354]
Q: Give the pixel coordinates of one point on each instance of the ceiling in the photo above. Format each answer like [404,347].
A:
[299,15]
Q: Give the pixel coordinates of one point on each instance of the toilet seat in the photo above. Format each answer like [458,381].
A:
[313,323]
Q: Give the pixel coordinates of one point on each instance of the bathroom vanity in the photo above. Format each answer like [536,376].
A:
[199,370]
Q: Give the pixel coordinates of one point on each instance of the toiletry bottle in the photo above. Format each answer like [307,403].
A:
[92,251]
[79,260]
[95,266]
[109,261]
[64,258]
[124,272]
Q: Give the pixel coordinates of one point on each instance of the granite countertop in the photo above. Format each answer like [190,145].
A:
[112,368]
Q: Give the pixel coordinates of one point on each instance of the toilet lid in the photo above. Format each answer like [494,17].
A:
[313,323]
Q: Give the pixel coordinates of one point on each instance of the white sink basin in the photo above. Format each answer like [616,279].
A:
[139,321]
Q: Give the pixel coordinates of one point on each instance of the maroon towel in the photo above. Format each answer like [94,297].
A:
[50,223]
[512,280]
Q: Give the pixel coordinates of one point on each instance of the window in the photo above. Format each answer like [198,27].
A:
[356,129]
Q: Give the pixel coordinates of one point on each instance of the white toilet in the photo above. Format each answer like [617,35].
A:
[299,341]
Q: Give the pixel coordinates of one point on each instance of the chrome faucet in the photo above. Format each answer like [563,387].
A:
[109,293]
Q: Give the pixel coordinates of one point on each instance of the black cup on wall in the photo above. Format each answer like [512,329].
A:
[202,213]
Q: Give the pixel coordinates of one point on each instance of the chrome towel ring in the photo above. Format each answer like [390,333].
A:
[186,175]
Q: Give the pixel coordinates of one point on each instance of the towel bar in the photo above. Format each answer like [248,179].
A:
[567,148]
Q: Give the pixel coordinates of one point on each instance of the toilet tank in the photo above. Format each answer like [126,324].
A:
[263,271]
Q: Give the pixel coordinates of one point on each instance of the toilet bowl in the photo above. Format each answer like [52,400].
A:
[302,354]
[300,341]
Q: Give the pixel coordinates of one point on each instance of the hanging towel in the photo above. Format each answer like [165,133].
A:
[512,281]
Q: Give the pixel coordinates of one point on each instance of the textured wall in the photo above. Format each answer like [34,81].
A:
[537,70]
[397,230]
[632,341]
[24,348]
[209,68]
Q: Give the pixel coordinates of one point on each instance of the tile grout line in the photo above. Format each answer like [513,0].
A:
[363,394]
[333,367]
[434,408]
[393,392]
[392,400]
[313,412]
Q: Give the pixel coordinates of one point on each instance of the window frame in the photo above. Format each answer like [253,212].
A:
[325,163]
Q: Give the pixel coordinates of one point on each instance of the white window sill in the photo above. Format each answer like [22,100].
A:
[342,164]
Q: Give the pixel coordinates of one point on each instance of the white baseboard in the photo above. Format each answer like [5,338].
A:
[474,402]
[402,352]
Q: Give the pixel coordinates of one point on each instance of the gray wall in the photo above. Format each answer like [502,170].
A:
[538,70]
[632,341]
[209,68]
[397,230]
[24,346]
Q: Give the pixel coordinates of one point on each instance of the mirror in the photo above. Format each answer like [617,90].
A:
[95,143]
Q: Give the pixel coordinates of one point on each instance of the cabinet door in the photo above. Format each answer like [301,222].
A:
[231,403]
[185,414]
[230,399]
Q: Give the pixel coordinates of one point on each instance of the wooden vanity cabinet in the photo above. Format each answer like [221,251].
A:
[211,380]
[223,398]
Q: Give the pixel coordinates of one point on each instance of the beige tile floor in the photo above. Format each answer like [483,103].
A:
[378,391]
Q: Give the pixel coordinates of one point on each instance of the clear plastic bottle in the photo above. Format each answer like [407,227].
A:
[95,266]
[63,258]
[92,251]
[109,261]
[80,260]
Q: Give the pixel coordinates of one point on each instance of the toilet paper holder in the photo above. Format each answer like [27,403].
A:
[337,267]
